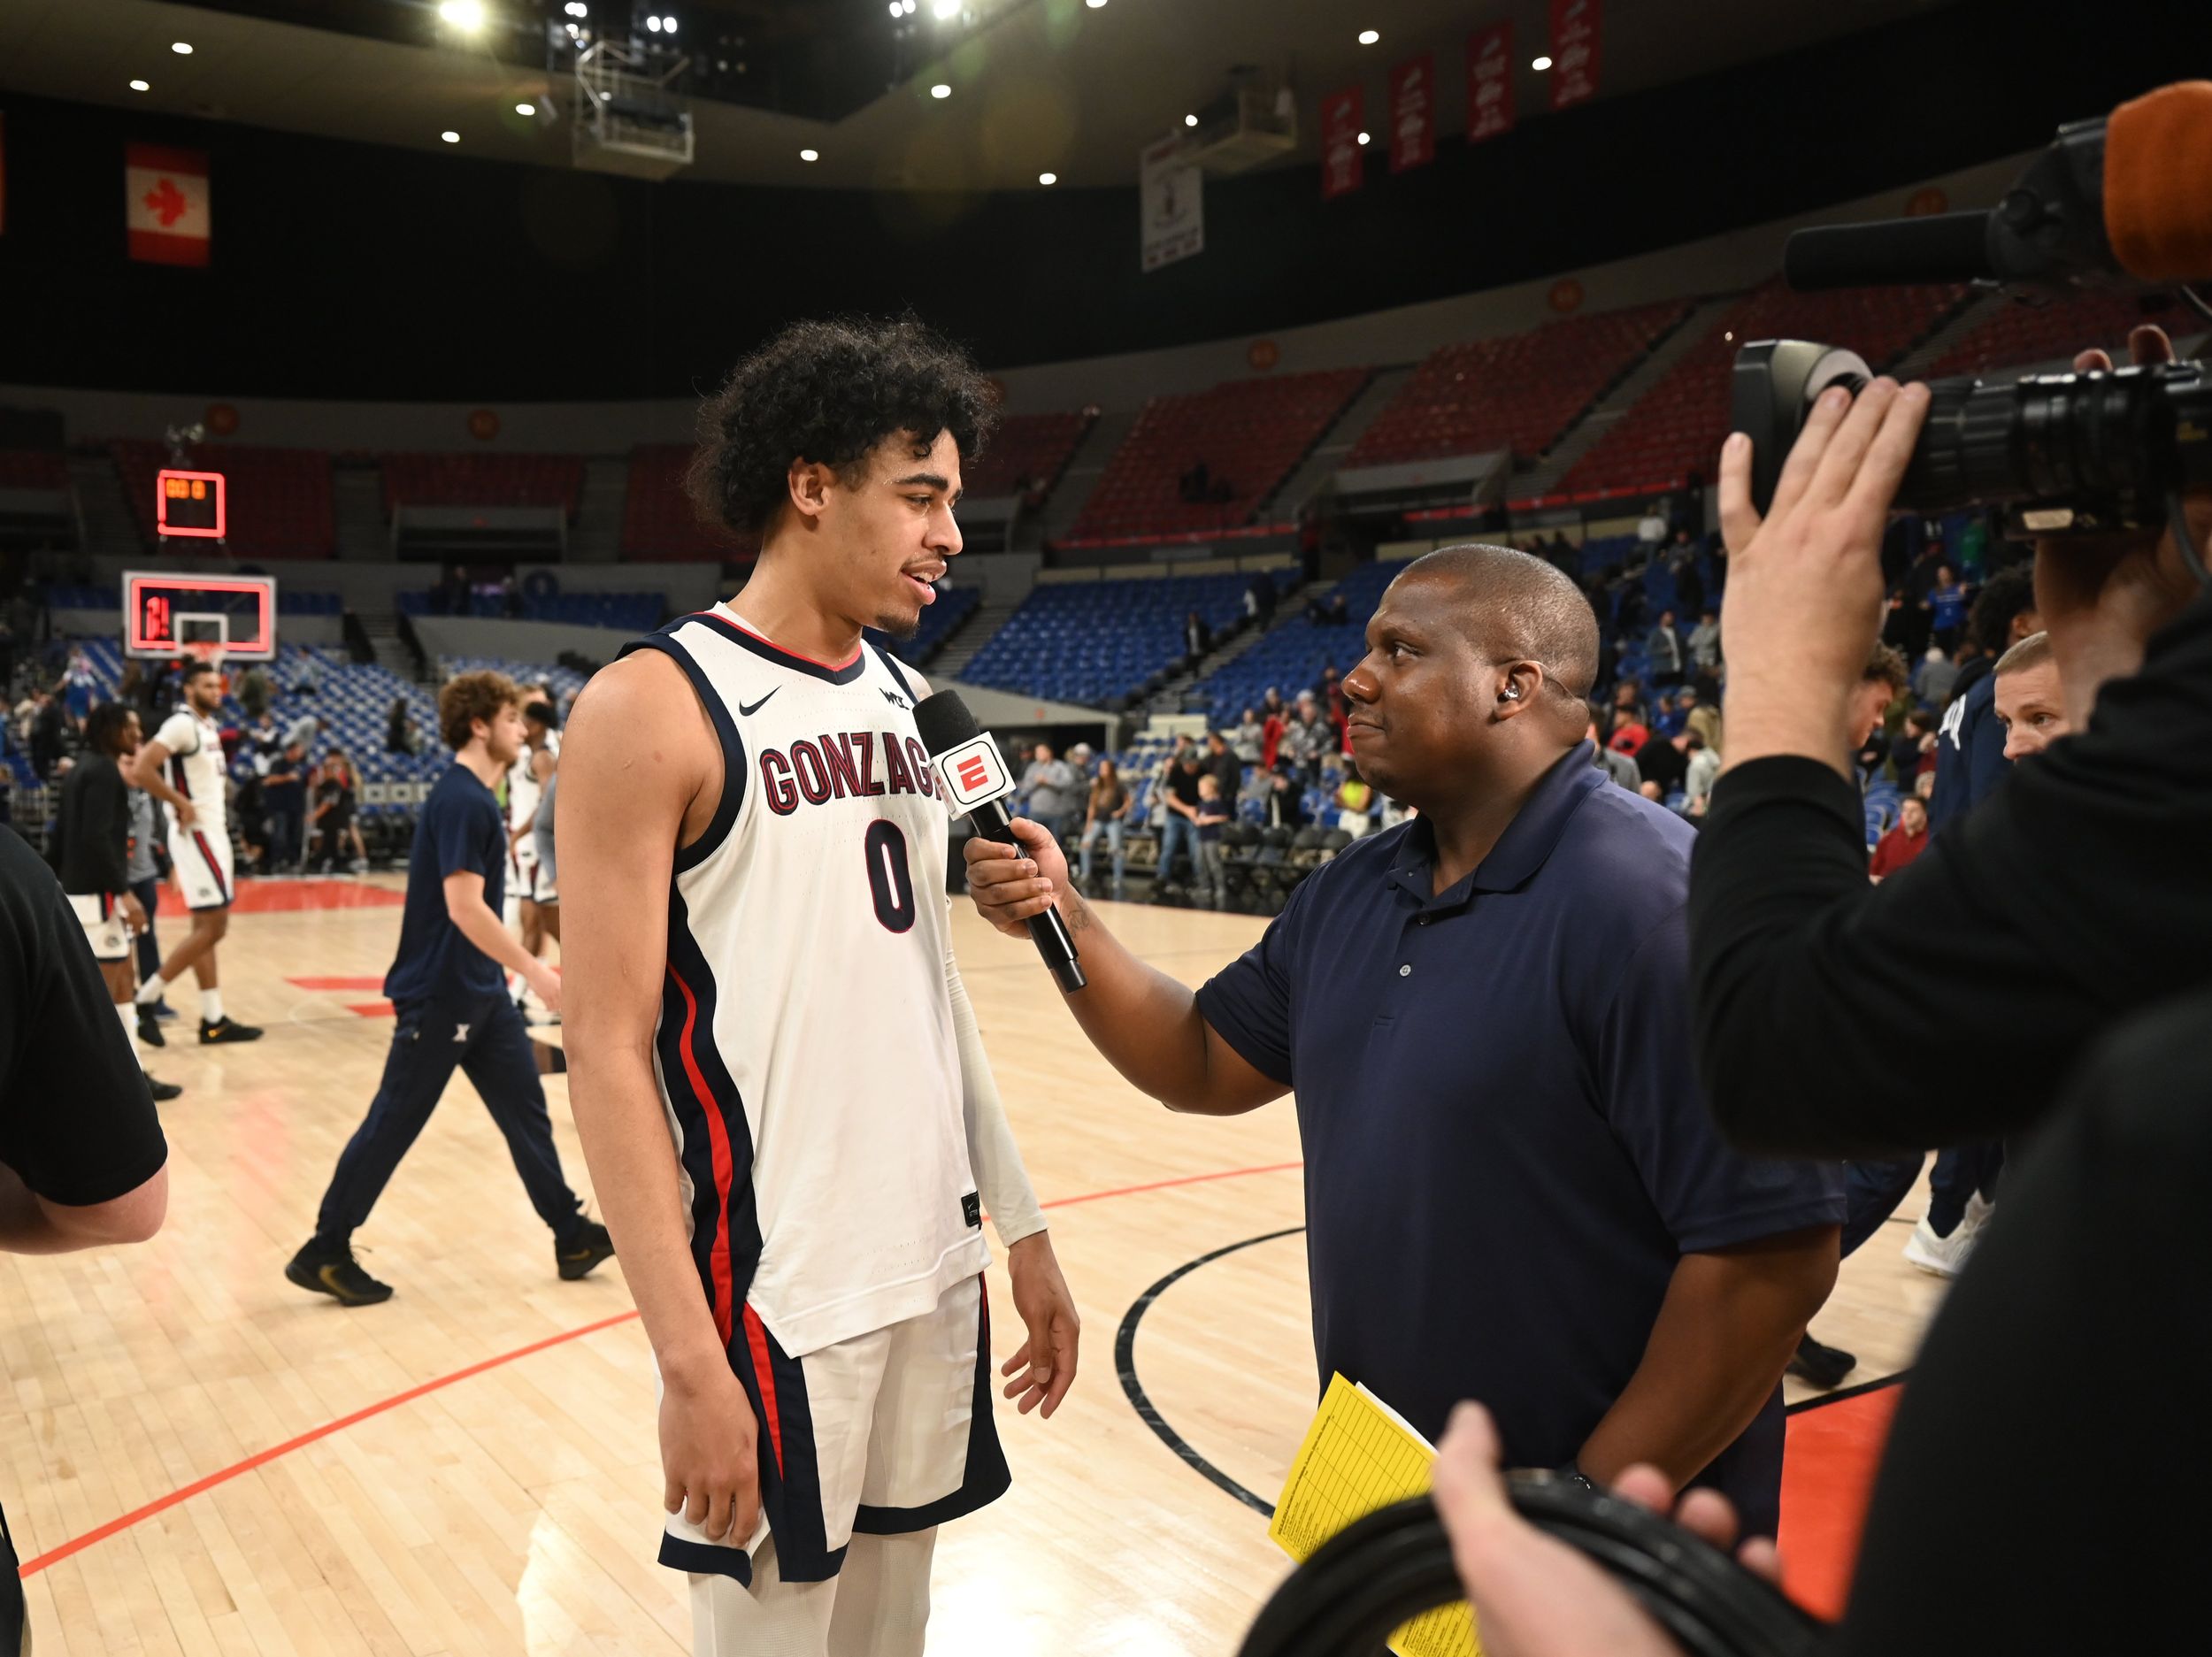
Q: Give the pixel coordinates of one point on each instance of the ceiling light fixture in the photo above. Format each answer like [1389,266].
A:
[897,10]
[1190,120]
[1540,64]
[140,86]
[654,24]
[183,48]
[809,155]
[1047,177]
[1094,5]
[462,14]
[1368,37]
[526,109]
[1363,139]
[450,136]
[945,11]
[669,24]
[907,6]
[941,90]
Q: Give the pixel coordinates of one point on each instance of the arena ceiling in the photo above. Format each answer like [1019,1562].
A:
[1068,87]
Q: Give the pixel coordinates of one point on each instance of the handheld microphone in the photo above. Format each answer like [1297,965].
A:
[2128,197]
[972,776]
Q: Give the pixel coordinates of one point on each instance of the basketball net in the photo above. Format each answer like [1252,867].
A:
[210,651]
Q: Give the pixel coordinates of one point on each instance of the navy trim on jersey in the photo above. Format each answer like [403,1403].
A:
[790,1493]
[897,669]
[985,1479]
[770,651]
[704,1558]
[733,762]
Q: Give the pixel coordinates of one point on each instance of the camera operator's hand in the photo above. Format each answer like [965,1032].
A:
[1533,1595]
[2101,597]
[1805,595]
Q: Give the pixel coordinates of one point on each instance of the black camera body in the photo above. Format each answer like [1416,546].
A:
[2058,454]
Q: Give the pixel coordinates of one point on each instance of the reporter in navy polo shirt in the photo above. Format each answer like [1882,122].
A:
[1514,1191]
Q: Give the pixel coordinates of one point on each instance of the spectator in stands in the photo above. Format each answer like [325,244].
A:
[263,740]
[1249,738]
[1259,599]
[307,679]
[1079,758]
[1663,647]
[1355,803]
[255,692]
[1902,843]
[1661,766]
[284,795]
[1286,803]
[1631,735]
[400,735]
[1970,752]
[1651,528]
[1307,739]
[1198,638]
[1223,765]
[1881,682]
[1339,614]
[1705,640]
[1934,678]
[1698,780]
[1628,700]
[335,830]
[1196,485]
[1912,756]
[49,734]
[1049,784]
[1612,762]
[1946,609]
[1317,612]
[1177,796]
[1208,821]
[1671,717]
[2028,703]
[1689,585]
[301,732]
[1704,717]
[1274,720]
[1107,813]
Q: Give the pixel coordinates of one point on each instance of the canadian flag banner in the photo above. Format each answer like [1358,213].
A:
[1413,113]
[1342,160]
[1574,51]
[164,203]
[1489,82]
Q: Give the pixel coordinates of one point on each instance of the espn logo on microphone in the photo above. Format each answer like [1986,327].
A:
[972,773]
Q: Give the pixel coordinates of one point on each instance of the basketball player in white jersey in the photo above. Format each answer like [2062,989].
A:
[182,767]
[525,789]
[758,969]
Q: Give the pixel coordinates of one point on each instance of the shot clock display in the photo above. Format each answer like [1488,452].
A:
[189,503]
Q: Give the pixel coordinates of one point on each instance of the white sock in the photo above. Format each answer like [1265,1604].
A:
[128,1011]
[212,1007]
[152,990]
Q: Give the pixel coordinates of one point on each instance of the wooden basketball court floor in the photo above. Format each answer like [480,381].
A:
[198,1458]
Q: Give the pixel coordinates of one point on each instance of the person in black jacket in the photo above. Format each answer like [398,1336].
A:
[92,834]
[2040,970]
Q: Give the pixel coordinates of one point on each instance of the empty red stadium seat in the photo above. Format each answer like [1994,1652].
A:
[1249,433]
[1517,393]
[2017,334]
[1677,426]
[1028,450]
[468,479]
[658,518]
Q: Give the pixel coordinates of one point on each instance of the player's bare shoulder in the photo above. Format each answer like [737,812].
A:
[638,728]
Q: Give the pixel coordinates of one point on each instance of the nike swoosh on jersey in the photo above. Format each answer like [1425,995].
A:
[747,710]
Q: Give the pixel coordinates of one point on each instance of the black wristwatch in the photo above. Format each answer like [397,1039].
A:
[1573,1475]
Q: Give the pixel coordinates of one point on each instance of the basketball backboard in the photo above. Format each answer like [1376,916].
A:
[169,613]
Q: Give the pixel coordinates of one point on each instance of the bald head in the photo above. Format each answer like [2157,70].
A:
[1516,608]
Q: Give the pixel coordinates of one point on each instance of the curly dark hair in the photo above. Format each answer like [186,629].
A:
[829,392]
[468,697]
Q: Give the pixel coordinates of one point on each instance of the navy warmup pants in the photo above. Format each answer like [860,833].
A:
[484,1037]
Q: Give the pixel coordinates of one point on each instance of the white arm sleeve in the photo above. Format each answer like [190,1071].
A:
[1000,1178]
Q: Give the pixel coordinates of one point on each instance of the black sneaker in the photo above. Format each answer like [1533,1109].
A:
[149,1027]
[333,1271]
[583,1251]
[164,1012]
[225,1029]
[1822,1366]
[161,1091]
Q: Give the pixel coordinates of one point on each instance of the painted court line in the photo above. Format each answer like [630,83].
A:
[262,1458]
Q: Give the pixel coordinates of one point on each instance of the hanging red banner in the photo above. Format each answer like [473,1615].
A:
[1341,168]
[1413,113]
[1489,81]
[1574,52]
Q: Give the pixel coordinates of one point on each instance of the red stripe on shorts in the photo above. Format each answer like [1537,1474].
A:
[756,1337]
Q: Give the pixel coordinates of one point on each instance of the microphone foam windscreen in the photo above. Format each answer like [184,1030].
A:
[2158,183]
[944,721]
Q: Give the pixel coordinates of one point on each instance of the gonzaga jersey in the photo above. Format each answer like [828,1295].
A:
[805,1051]
[194,745]
[524,791]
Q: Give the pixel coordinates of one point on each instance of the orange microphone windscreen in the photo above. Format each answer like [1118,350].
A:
[2158,183]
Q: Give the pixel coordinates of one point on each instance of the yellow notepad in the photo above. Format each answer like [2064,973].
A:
[1359,1455]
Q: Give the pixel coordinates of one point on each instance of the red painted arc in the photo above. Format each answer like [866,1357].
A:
[262,1458]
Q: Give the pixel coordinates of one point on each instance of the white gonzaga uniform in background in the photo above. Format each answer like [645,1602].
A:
[813,1079]
[202,853]
[524,792]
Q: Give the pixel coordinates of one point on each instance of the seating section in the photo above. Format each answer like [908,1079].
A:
[34,469]
[631,612]
[953,607]
[658,518]
[2018,335]
[1249,433]
[277,502]
[458,480]
[1090,641]
[1517,393]
[1291,656]
[1025,456]
[1676,427]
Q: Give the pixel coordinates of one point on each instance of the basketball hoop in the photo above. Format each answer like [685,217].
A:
[208,650]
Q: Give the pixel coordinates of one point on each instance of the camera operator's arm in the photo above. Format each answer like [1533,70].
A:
[1949,1002]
